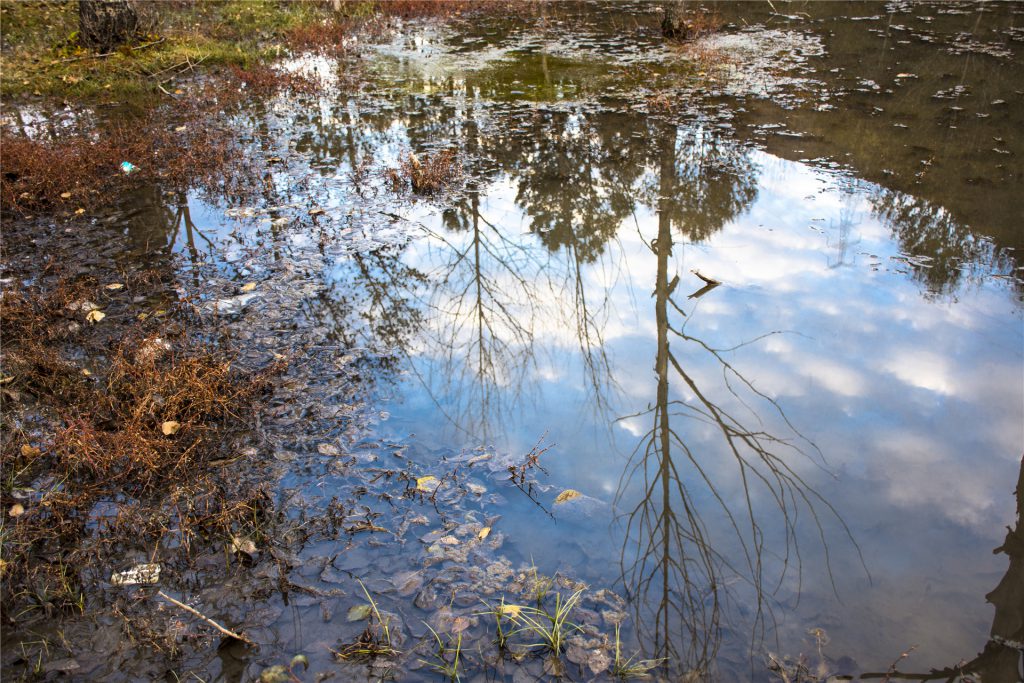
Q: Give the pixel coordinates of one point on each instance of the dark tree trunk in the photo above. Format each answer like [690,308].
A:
[673,24]
[105,24]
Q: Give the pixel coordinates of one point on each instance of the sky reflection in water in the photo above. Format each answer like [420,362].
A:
[863,355]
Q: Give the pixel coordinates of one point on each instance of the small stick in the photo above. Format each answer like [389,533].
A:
[205,618]
[164,91]
[705,278]
[106,54]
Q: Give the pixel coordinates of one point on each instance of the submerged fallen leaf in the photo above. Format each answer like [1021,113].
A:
[359,612]
[328,449]
[241,544]
[567,495]
[510,610]
[95,315]
[170,427]
[248,287]
[276,674]
[17,510]
[484,533]
[426,484]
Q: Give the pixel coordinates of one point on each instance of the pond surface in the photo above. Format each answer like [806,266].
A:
[816,455]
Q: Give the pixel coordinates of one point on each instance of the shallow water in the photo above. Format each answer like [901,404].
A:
[828,439]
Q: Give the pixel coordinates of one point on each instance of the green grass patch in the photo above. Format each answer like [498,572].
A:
[41,55]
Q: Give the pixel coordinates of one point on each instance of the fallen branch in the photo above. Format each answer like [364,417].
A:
[205,618]
[105,54]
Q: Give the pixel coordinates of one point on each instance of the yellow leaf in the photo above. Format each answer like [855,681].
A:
[249,286]
[427,483]
[567,495]
[95,315]
[170,427]
[510,610]
[79,212]
[484,533]
[65,195]
[115,286]
[29,451]
[86,372]
[16,510]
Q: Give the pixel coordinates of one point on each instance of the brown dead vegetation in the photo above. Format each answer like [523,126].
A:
[262,79]
[694,24]
[431,174]
[110,442]
[76,168]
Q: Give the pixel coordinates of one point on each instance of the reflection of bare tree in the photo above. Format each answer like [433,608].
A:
[1001,659]
[671,561]
[371,305]
[485,302]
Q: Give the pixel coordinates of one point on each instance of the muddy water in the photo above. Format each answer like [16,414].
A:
[816,455]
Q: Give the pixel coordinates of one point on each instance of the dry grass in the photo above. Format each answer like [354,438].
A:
[79,168]
[89,463]
[262,79]
[427,175]
[698,23]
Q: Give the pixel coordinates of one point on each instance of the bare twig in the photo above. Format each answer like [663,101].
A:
[106,54]
[205,618]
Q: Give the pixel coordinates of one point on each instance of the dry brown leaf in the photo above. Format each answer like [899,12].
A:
[567,495]
[170,427]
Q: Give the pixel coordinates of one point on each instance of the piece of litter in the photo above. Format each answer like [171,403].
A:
[140,574]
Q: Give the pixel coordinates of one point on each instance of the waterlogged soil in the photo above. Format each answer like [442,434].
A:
[754,301]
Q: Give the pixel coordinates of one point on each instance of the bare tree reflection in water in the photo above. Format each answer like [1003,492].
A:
[486,298]
[672,563]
